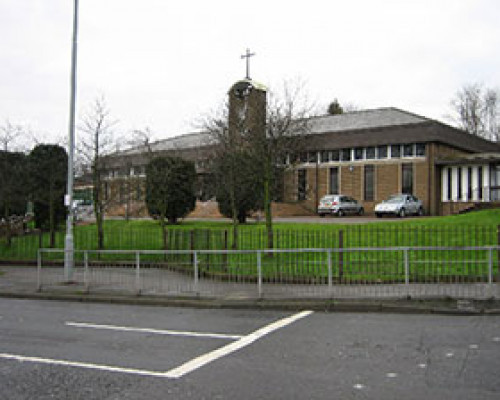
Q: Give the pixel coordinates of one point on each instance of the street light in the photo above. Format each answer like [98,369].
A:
[69,243]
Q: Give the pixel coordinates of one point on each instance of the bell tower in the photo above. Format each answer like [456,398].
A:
[247,105]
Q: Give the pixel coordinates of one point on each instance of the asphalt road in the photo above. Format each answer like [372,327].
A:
[60,350]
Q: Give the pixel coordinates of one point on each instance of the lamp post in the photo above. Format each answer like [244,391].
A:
[69,243]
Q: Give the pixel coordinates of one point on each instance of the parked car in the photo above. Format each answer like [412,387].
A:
[400,205]
[339,205]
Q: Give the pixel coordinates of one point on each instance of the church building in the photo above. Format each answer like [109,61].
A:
[368,155]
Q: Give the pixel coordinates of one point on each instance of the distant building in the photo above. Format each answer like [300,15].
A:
[368,155]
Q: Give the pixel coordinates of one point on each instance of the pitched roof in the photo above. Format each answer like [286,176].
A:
[187,141]
[364,119]
[357,128]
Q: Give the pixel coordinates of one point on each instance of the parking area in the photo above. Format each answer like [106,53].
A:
[103,351]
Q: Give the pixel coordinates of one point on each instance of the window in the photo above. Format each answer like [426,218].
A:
[370,153]
[459,183]
[369,182]
[480,182]
[448,193]
[382,151]
[469,183]
[302,184]
[407,179]
[358,153]
[395,151]
[312,157]
[334,180]
[408,150]
[345,154]
[420,149]
[324,156]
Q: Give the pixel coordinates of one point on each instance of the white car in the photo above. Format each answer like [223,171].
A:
[339,205]
[400,205]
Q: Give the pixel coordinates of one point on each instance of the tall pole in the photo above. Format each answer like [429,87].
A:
[69,243]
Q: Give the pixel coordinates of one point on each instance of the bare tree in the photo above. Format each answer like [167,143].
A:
[476,110]
[287,123]
[142,138]
[97,142]
[217,126]
[9,133]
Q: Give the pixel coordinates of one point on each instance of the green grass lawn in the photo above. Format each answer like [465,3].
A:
[472,229]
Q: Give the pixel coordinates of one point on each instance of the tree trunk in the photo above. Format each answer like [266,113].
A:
[267,208]
[52,227]
[8,226]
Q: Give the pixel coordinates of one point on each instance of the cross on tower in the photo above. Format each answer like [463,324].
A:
[247,56]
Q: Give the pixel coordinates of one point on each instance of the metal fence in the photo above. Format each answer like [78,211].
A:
[24,248]
[356,273]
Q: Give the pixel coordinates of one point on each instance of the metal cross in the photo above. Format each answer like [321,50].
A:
[247,56]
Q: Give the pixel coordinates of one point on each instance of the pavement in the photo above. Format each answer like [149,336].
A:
[20,282]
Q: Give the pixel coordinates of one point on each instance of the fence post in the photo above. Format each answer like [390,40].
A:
[86,282]
[330,278]
[490,270]
[259,273]
[341,254]
[407,271]
[195,271]
[39,271]
[138,273]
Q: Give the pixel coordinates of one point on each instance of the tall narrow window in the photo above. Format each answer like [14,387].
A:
[369,182]
[407,179]
[334,180]
[302,184]
[480,183]
[459,183]
[448,189]
[469,183]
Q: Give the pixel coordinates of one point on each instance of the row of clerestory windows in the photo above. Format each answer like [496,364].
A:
[383,152]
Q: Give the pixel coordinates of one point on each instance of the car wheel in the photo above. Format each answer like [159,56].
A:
[378,215]
[402,213]
[322,215]
[420,212]
[361,211]
[340,213]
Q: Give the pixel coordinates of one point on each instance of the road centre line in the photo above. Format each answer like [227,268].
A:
[232,347]
[177,372]
[153,331]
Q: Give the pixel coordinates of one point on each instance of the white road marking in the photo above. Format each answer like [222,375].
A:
[473,346]
[153,331]
[232,347]
[359,386]
[178,371]
[496,339]
[391,374]
[108,368]
[422,365]
[449,355]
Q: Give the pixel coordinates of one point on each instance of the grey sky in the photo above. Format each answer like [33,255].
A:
[162,63]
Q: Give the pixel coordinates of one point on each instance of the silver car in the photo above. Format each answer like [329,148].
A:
[339,205]
[400,205]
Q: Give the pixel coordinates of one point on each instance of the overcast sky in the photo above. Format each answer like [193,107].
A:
[163,64]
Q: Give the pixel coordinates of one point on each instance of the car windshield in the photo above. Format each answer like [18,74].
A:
[395,199]
[328,198]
